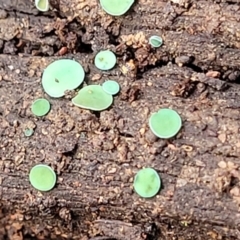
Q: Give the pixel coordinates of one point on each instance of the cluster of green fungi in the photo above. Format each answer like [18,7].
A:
[65,74]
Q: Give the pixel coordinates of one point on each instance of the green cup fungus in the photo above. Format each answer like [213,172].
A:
[62,75]
[165,123]
[111,87]
[116,7]
[42,177]
[42,5]
[105,60]
[40,107]
[28,132]
[147,183]
[155,41]
[93,97]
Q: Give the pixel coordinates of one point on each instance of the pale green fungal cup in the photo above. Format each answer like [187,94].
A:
[147,183]
[105,60]
[42,177]
[116,7]
[40,107]
[165,123]
[93,97]
[28,132]
[155,41]
[111,87]
[62,75]
[42,5]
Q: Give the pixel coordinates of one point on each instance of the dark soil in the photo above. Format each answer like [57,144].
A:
[96,155]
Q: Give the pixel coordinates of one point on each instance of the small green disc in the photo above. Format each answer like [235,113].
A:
[42,177]
[147,183]
[105,60]
[116,7]
[93,97]
[155,41]
[40,107]
[62,75]
[165,123]
[28,132]
[42,5]
[111,87]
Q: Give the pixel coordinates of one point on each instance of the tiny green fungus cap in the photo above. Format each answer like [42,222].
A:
[62,75]
[93,97]
[28,132]
[40,107]
[111,87]
[42,177]
[42,5]
[116,7]
[165,123]
[147,183]
[155,41]
[105,60]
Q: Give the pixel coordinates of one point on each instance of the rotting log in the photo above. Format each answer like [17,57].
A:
[97,155]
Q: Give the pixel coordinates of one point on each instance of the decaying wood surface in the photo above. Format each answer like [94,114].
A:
[96,156]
